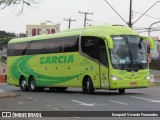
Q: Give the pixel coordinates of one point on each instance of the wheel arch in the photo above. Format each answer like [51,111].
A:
[29,79]
[85,78]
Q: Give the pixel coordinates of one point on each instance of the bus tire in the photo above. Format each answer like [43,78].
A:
[87,86]
[121,91]
[23,84]
[32,84]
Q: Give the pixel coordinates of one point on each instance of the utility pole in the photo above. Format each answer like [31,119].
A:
[149,30]
[69,20]
[130,15]
[85,16]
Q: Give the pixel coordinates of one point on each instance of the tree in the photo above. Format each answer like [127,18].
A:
[22,35]
[21,3]
[4,38]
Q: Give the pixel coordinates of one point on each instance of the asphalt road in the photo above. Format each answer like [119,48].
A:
[73,99]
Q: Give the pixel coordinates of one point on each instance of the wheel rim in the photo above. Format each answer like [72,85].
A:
[87,85]
[23,84]
[32,84]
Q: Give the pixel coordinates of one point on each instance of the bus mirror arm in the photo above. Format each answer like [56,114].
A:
[109,42]
[150,40]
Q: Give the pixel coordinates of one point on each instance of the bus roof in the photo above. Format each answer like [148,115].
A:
[99,31]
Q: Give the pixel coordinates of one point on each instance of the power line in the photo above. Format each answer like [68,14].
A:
[146,11]
[115,11]
[146,28]
[69,22]
[85,17]
[150,30]
[147,15]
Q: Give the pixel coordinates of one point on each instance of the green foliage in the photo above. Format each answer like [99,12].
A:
[4,34]
[22,35]
[5,37]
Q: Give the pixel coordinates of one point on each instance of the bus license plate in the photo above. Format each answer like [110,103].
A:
[133,83]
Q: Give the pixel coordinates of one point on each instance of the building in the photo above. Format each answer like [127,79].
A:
[3,52]
[3,72]
[43,28]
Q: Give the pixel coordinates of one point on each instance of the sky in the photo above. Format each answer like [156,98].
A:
[57,10]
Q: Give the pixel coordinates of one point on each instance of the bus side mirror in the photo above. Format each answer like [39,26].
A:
[109,42]
[150,40]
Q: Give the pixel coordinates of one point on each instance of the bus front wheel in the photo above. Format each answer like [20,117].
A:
[87,86]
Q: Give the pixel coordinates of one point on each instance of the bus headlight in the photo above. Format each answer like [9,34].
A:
[115,77]
[147,77]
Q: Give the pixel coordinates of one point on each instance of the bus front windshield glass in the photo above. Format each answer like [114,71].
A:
[128,53]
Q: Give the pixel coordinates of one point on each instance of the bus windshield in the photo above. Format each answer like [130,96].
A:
[128,53]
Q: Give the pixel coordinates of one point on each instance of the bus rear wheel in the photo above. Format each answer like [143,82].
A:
[121,91]
[23,84]
[87,86]
[32,84]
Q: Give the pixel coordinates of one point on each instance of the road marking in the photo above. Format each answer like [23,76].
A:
[1,90]
[150,100]
[35,100]
[144,93]
[151,94]
[20,103]
[42,102]
[30,98]
[82,103]
[118,102]
[56,108]
[48,105]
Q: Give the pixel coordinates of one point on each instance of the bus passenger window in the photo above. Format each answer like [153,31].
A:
[36,47]
[89,46]
[70,44]
[53,45]
[20,48]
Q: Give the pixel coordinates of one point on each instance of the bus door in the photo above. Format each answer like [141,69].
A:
[103,64]
[95,49]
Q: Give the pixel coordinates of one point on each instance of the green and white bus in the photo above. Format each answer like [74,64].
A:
[95,57]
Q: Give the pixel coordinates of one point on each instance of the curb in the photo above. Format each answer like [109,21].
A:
[7,95]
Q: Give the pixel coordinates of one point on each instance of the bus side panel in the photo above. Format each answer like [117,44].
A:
[13,71]
[61,69]
[104,77]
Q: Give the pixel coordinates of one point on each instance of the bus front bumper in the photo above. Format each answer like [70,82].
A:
[129,84]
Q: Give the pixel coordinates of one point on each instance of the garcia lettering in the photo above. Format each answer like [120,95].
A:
[57,59]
